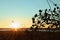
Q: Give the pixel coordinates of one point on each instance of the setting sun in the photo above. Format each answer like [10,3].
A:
[15,25]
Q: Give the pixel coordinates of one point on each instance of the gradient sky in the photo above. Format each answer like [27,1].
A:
[21,10]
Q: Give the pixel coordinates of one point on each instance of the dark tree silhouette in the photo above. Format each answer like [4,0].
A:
[46,18]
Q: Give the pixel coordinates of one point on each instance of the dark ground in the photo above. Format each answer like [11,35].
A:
[31,35]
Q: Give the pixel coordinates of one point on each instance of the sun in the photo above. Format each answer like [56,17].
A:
[15,25]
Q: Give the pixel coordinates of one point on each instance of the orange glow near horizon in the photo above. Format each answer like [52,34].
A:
[18,23]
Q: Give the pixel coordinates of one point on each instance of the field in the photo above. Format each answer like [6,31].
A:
[28,35]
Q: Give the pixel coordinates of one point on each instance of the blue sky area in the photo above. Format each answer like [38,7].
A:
[22,8]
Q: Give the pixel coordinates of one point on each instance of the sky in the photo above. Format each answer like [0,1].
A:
[21,11]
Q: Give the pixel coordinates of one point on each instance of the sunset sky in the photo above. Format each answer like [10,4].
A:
[20,11]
